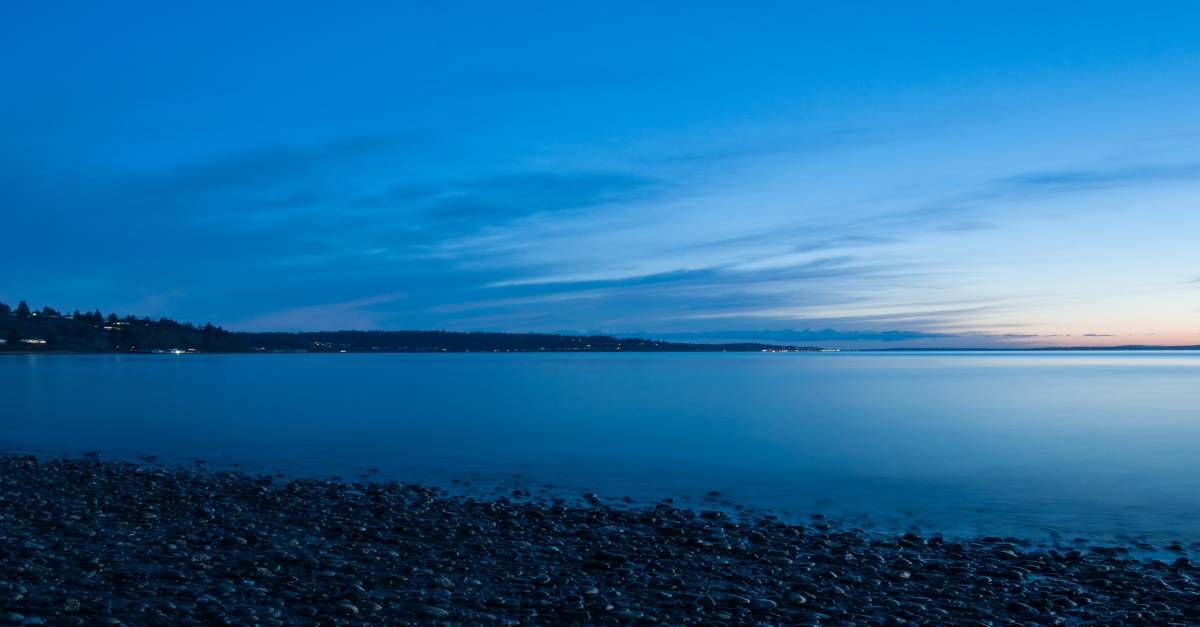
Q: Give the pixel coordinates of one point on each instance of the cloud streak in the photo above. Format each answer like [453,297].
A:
[459,249]
[804,335]
[348,315]
[500,198]
[1067,181]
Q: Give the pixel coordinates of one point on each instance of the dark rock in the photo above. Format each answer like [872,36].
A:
[77,548]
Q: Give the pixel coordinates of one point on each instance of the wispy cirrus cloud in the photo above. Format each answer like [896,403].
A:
[803,335]
[548,248]
[347,315]
[286,166]
[676,182]
[1065,181]
[490,199]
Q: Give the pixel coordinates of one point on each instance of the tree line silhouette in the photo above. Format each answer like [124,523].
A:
[23,329]
[47,329]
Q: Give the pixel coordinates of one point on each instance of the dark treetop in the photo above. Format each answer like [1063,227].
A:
[23,329]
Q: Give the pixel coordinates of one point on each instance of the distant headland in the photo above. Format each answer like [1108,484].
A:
[24,329]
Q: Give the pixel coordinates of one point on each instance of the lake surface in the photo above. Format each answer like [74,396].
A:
[1037,444]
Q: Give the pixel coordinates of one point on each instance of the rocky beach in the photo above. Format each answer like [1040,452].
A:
[91,542]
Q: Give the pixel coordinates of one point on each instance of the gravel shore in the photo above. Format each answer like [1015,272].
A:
[89,542]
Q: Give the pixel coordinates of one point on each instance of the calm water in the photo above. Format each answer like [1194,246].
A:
[1095,444]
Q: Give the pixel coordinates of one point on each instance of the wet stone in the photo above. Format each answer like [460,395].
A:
[91,542]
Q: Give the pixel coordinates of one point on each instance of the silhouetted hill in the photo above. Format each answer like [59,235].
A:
[449,341]
[46,329]
[23,329]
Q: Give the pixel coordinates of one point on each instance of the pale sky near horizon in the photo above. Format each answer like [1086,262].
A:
[871,174]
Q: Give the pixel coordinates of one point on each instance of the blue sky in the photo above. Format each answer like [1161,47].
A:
[872,174]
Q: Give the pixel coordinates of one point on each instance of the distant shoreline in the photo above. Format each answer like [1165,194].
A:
[690,348]
[185,353]
[25,330]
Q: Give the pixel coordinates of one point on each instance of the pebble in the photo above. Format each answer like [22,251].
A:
[228,548]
